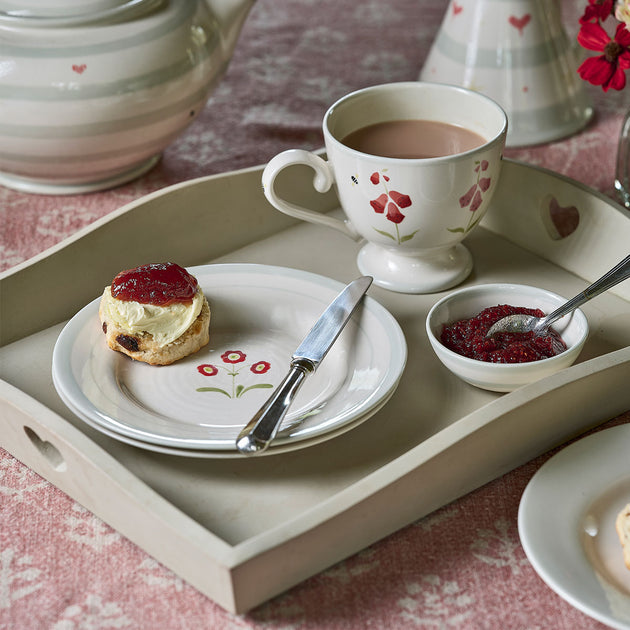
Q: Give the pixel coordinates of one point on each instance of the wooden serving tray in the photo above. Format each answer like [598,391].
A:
[244,530]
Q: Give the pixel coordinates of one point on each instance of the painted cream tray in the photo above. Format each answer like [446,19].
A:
[244,530]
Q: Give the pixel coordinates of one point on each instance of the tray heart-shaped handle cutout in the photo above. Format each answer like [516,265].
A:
[559,221]
[50,452]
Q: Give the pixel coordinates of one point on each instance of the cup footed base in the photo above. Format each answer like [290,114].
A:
[426,273]
[60,187]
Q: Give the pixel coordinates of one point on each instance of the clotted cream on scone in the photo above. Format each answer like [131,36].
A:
[155,313]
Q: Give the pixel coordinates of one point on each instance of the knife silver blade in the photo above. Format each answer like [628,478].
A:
[262,428]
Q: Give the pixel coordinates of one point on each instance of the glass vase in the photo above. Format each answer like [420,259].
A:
[622,177]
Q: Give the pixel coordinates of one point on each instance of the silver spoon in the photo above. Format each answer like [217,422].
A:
[525,323]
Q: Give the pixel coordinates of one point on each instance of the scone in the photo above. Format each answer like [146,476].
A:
[623,530]
[155,313]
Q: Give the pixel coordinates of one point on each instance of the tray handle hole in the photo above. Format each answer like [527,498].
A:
[49,451]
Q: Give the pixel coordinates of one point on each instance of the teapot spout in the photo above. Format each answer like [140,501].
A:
[231,15]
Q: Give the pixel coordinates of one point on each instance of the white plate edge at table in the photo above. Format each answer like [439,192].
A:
[72,395]
[542,507]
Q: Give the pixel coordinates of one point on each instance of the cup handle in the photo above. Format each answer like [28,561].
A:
[322,181]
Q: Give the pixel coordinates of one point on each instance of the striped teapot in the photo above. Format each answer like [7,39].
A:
[92,91]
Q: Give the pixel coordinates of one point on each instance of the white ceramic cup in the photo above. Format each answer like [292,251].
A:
[414,212]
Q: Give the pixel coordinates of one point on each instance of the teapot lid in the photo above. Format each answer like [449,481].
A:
[60,13]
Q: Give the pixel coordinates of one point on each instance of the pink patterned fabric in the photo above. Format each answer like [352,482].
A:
[61,568]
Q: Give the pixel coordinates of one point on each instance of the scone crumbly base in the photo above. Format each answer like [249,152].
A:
[142,347]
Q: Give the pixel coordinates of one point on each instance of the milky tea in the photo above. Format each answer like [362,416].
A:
[412,139]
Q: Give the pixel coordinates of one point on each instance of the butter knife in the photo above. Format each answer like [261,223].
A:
[262,428]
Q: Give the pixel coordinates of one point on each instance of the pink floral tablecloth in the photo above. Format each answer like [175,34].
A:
[460,567]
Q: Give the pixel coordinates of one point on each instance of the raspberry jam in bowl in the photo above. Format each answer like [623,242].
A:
[460,319]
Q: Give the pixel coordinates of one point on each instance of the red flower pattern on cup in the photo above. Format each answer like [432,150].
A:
[473,197]
[231,358]
[390,203]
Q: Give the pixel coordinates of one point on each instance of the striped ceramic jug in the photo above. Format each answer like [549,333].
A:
[518,53]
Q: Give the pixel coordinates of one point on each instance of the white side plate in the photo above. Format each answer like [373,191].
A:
[566,523]
[198,405]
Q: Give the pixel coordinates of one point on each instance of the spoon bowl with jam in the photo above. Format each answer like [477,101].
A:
[539,324]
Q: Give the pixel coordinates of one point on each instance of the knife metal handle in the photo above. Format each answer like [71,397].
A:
[262,428]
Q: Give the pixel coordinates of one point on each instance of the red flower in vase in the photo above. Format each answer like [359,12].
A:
[597,10]
[607,70]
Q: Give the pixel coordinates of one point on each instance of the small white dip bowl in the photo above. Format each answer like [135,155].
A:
[504,377]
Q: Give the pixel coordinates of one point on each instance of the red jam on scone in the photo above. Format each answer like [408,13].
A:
[155,313]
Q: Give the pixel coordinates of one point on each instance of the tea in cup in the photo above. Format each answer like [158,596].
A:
[415,166]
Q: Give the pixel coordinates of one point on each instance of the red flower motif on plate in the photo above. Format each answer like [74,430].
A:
[232,357]
[207,369]
[261,367]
